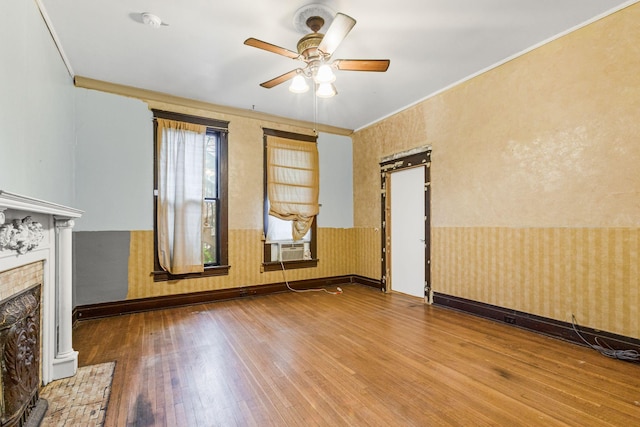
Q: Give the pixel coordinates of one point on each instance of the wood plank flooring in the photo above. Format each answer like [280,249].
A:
[362,358]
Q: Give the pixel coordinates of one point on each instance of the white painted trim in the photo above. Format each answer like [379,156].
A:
[23,203]
[504,61]
[54,36]
[59,360]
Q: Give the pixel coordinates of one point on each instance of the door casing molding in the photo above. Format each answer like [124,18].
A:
[416,157]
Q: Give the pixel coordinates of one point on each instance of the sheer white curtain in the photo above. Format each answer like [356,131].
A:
[180,201]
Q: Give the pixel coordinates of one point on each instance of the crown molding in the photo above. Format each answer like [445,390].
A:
[149,95]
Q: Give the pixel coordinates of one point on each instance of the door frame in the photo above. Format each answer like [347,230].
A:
[409,159]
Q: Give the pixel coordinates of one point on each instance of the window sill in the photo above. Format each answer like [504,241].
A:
[289,265]
[218,270]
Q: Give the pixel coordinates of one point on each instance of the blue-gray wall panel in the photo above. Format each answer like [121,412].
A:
[101,260]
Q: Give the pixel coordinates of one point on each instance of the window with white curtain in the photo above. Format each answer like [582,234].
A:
[190,196]
[291,179]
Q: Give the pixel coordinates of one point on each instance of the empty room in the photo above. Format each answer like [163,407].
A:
[320,213]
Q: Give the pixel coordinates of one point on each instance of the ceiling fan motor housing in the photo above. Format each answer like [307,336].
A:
[308,45]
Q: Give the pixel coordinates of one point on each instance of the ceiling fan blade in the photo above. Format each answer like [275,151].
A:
[362,64]
[337,31]
[280,79]
[271,48]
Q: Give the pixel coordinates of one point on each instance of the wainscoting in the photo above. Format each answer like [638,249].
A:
[335,249]
[592,273]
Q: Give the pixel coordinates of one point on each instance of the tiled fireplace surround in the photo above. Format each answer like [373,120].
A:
[52,248]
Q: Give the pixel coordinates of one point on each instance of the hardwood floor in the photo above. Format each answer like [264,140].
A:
[362,358]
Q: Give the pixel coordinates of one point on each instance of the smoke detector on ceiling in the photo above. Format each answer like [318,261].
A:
[315,9]
[151,20]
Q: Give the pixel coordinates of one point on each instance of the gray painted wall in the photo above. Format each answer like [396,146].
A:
[36,108]
[114,162]
[335,154]
[102,262]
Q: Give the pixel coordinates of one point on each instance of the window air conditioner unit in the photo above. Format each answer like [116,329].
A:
[290,251]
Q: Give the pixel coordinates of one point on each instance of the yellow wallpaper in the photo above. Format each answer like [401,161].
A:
[398,133]
[335,254]
[556,130]
[551,272]
[368,244]
[534,178]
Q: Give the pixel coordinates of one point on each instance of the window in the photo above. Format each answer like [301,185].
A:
[291,175]
[211,226]
[190,197]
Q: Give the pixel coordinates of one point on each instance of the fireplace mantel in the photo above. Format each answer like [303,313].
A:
[49,228]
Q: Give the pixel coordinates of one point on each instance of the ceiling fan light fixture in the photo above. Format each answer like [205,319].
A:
[324,75]
[315,50]
[326,90]
[299,84]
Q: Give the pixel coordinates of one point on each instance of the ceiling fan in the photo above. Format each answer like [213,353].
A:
[315,50]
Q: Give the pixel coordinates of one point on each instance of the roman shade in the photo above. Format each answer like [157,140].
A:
[293,182]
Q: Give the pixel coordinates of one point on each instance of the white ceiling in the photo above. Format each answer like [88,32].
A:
[200,53]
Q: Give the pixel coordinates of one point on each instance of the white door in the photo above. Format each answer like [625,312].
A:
[407,231]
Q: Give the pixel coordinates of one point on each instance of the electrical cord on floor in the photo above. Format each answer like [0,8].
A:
[338,290]
[606,350]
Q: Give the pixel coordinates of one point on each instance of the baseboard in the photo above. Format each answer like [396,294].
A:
[539,324]
[542,325]
[366,281]
[116,308]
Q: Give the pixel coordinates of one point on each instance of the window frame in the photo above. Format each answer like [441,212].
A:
[289,265]
[222,269]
